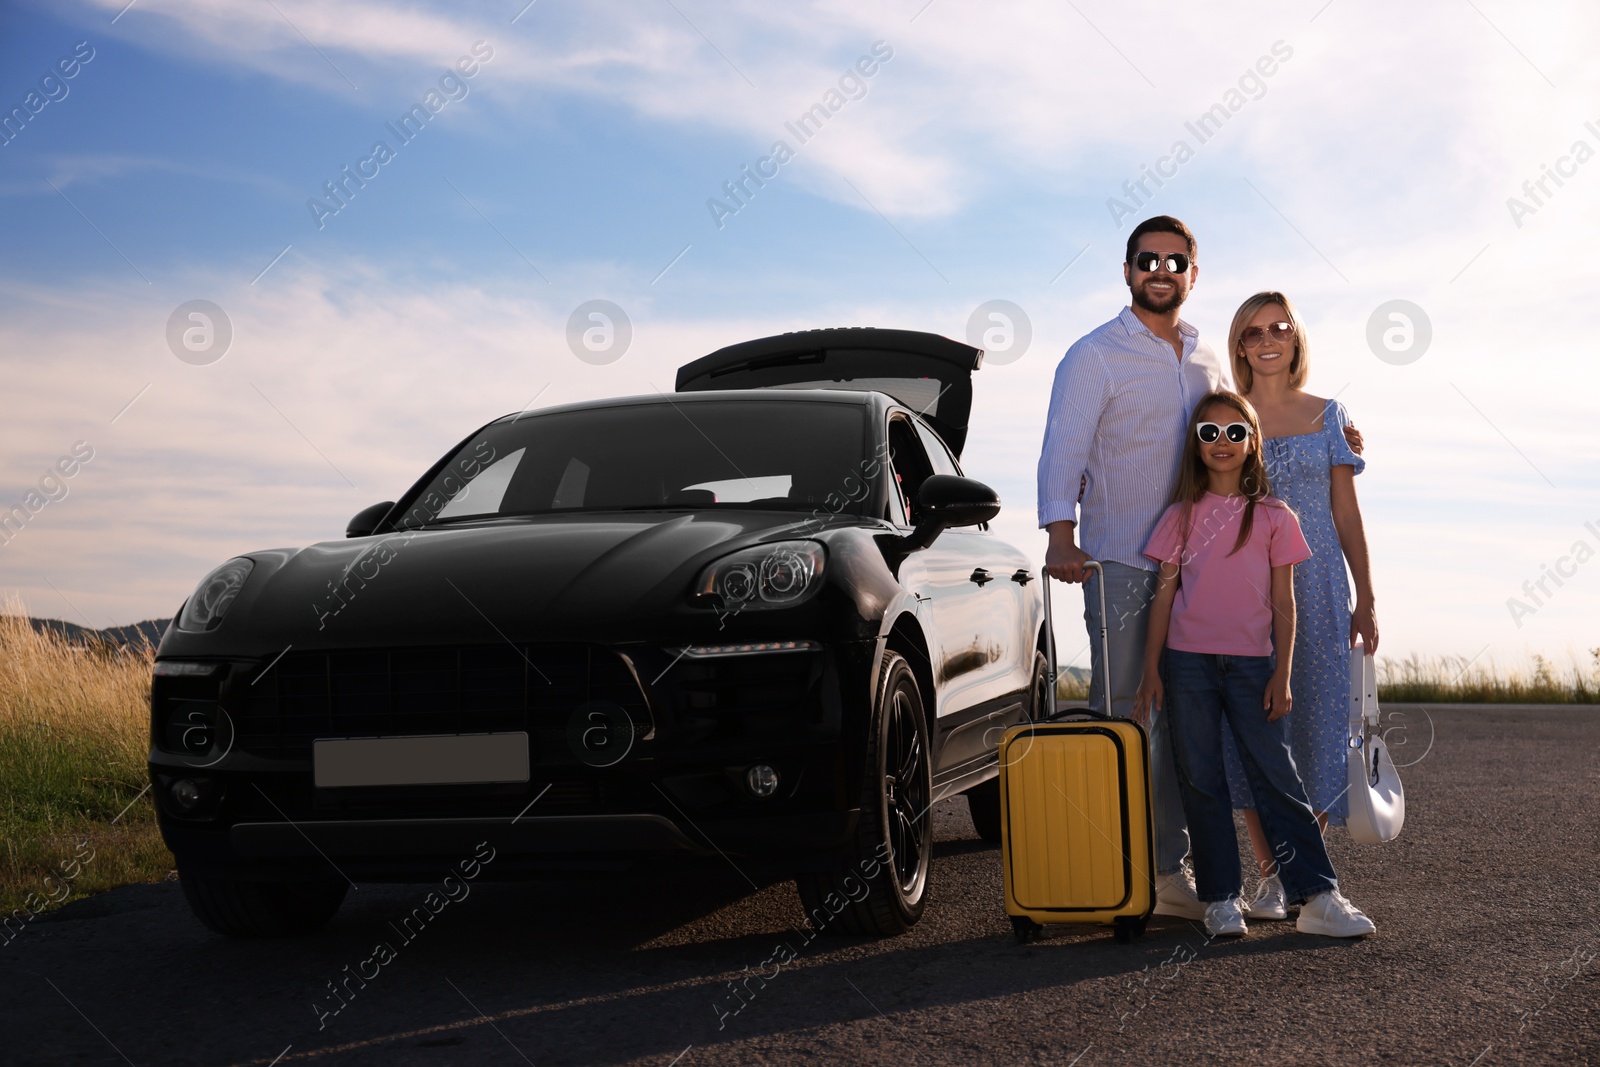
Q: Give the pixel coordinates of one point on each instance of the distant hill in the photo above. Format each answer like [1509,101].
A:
[139,633]
[150,630]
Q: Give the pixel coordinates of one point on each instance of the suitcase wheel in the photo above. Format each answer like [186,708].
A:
[1025,929]
[1127,928]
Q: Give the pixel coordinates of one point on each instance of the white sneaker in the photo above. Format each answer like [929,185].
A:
[1175,895]
[1224,919]
[1269,902]
[1330,914]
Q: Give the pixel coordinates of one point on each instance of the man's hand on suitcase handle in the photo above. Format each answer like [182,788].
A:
[1064,560]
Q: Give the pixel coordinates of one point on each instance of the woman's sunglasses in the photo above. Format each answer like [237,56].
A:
[1272,331]
[1175,262]
[1210,431]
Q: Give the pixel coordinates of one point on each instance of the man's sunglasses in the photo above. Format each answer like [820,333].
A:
[1210,431]
[1175,262]
[1272,331]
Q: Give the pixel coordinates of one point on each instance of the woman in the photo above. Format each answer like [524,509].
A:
[1311,468]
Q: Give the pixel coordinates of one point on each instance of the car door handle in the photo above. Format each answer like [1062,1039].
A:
[980,576]
[1022,577]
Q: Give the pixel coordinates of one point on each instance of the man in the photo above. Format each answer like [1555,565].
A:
[1123,395]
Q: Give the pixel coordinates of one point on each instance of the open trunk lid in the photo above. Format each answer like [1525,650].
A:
[930,374]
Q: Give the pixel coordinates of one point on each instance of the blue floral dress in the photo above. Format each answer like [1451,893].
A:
[1300,469]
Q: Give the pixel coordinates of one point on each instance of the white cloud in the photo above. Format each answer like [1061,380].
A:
[975,93]
[80,168]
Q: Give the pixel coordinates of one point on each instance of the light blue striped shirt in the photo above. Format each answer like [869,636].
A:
[1117,415]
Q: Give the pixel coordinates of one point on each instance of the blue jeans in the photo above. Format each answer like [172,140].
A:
[1202,690]
[1129,591]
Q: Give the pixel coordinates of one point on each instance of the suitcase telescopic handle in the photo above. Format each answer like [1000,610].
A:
[1105,634]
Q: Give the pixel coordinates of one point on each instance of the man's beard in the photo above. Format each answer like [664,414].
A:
[1156,304]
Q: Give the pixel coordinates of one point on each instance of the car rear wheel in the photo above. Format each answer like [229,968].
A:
[983,801]
[261,909]
[1041,700]
[882,887]
[983,805]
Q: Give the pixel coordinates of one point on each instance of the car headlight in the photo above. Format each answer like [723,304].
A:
[778,575]
[215,595]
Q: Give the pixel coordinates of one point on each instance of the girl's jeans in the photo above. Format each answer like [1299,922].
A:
[1203,690]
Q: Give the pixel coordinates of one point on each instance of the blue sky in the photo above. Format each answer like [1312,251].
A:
[1374,163]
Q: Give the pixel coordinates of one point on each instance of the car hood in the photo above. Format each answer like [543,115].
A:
[534,579]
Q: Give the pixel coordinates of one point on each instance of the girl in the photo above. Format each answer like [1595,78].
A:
[1313,470]
[1224,600]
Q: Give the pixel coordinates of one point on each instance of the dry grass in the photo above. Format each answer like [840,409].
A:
[74,739]
[1070,688]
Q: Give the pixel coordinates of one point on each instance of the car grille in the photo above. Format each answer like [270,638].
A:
[551,691]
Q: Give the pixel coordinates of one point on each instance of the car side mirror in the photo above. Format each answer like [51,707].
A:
[367,519]
[945,501]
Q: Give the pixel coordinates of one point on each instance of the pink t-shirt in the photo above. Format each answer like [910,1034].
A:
[1224,603]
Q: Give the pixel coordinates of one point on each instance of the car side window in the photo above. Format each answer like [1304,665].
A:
[482,495]
[895,510]
[938,455]
[908,464]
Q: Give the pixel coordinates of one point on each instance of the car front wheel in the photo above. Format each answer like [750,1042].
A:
[882,887]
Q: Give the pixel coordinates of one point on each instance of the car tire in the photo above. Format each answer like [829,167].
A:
[261,909]
[881,888]
[1041,699]
[983,800]
[983,805]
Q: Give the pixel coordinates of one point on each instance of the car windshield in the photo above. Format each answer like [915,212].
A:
[676,454]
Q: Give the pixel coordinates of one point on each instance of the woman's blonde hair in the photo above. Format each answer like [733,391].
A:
[1299,363]
[1194,477]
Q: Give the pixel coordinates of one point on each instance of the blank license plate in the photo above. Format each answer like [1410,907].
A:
[455,759]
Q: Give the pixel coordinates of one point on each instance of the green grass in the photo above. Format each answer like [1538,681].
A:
[1456,680]
[74,730]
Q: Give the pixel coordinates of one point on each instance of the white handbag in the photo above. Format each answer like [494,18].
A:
[1377,799]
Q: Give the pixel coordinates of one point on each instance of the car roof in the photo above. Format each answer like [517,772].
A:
[880,401]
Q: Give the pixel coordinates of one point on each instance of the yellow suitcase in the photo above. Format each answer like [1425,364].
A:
[1077,839]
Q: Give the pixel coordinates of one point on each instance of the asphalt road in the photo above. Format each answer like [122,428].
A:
[1486,954]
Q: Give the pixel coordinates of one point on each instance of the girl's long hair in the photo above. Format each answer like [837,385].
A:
[1194,477]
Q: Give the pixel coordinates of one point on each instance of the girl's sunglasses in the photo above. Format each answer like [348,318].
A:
[1272,331]
[1210,431]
